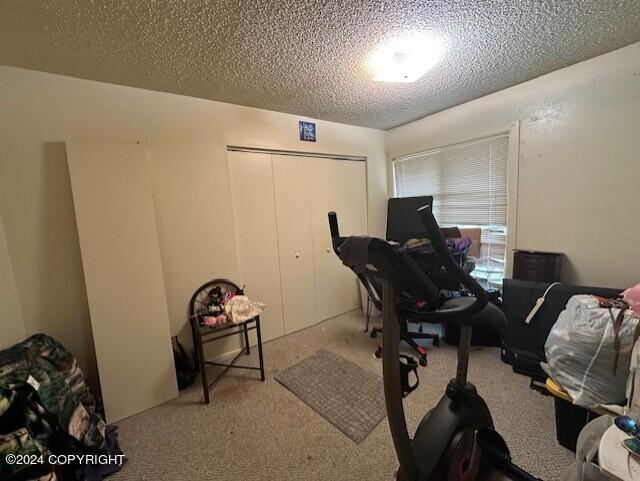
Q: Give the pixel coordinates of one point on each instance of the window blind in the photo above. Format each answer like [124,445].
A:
[468,183]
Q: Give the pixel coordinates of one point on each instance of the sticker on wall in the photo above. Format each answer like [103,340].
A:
[307,131]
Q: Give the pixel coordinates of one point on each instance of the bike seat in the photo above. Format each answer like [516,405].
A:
[457,310]
[490,316]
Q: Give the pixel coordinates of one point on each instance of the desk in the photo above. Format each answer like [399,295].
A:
[615,461]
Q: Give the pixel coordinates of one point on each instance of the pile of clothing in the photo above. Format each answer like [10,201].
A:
[228,305]
[46,409]
[455,244]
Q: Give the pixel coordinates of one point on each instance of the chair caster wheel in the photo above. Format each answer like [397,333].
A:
[423,361]
[378,353]
[373,334]
[436,342]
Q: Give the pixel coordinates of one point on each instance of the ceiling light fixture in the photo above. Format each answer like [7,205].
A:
[406,58]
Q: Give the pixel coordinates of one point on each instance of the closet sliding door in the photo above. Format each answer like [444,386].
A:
[339,186]
[256,235]
[293,187]
[285,253]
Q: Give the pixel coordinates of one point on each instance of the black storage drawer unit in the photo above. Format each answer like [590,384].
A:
[537,266]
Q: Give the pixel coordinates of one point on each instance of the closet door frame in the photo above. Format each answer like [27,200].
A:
[289,326]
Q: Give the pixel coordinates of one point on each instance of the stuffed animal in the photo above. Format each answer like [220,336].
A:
[214,321]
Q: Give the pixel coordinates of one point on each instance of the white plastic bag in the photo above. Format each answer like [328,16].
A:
[581,356]
[633,383]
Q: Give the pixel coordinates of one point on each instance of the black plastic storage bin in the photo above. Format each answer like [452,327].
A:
[537,266]
[570,419]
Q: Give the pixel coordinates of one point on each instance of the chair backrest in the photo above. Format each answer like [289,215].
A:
[403,221]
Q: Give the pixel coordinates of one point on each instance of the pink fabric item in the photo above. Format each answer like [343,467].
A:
[632,297]
[214,321]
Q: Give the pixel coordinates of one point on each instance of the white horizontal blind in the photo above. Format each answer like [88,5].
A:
[468,183]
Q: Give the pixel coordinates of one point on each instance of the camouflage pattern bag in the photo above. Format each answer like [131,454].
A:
[38,436]
[45,407]
[62,388]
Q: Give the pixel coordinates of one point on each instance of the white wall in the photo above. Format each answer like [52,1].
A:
[579,162]
[186,139]
[40,229]
[11,323]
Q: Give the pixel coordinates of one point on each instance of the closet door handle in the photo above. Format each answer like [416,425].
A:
[297,254]
[328,250]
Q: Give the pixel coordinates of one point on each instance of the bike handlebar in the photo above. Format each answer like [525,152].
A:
[443,254]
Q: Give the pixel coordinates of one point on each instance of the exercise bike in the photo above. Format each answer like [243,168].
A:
[456,439]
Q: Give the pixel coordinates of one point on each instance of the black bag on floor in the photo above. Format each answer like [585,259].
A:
[185,370]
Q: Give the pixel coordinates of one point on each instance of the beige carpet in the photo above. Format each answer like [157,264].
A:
[255,431]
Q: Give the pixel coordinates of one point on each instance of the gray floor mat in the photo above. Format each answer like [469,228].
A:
[343,393]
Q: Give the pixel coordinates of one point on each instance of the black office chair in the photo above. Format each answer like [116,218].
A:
[374,291]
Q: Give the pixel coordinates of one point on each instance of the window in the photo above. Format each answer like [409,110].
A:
[468,183]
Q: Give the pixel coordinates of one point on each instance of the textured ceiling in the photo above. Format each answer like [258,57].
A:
[308,57]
